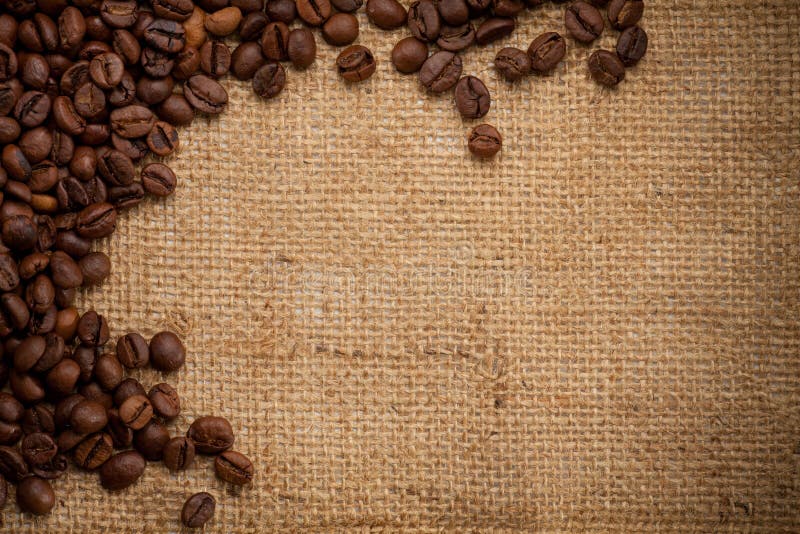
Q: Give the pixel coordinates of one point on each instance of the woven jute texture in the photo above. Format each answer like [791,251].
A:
[598,330]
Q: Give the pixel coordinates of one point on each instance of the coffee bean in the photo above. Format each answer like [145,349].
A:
[386,14]
[224,21]
[71,29]
[85,357]
[341,29]
[87,417]
[165,35]
[247,59]
[234,467]
[355,63]
[512,63]
[493,29]
[67,117]
[165,401]
[95,267]
[314,12]
[158,179]
[275,41]
[167,353]
[52,469]
[122,95]
[108,372]
[106,70]
[35,495]
[150,440]
[162,139]
[136,411]
[472,97]
[156,63]
[132,349]
[64,409]
[153,91]
[118,13]
[178,453]
[121,434]
[198,510]
[9,130]
[606,68]
[34,71]
[9,275]
[38,448]
[409,54]
[205,94]
[187,63]
[269,80]
[127,389]
[624,14]
[507,8]
[632,46]
[115,167]
[12,464]
[281,11]
[176,109]
[94,451]
[546,52]
[211,434]
[456,38]
[132,121]
[96,220]
[424,21]
[253,25]
[195,29]
[484,141]
[122,470]
[301,48]
[92,328]
[440,72]
[215,58]
[584,22]
[38,418]
[10,408]
[63,377]
[454,12]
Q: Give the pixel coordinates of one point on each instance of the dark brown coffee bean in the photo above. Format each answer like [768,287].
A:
[162,139]
[205,94]
[341,29]
[281,11]
[108,371]
[269,80]
[69,439]
[132,349]
[8,34]
[632,46]
[275,41]
[234,467]
[223,22]
[246,60]
[95,267]
[211,434]
[19,232]
[38,448]
[12,464]
[546,52]
[624,14]
[115,167]
[10,408]
[85,357]
[52,469]
[135,149]
[198,510]
[606,68]
[165,401]
[28,353]
[36,144]
[35,495]
[512,63]
[215,58]
[38,418]
[9,275]
[167,353]
[166,35]
[106,70]
[314,12]
[386,14]
[92,328]
[178,453]
[32,108]
[94,451]
[424,21]
[118,13]
[356,63]
[71,29]
[127,389]
[187,63]
[132,121]
[409,54]
[66,319]
[64,409]
[493,29]
[9,130]
[454,12]
[136,411]
[74,77]
[456,38]
[10,433]
[440,72]
[584,22]
[126,46]
[301,48]
[65,271]
[63,377]
[122,95]
[121,434]
[34,71]
[158,180]
[96,220]
[71,243]
[156,63]
[176,110]
[89,102]
[484,141]
[122,470]
[178,10]
[87,417]
[472,97]
[150,440]
[252,26]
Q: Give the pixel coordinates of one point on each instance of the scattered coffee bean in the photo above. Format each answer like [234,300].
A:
[583,21]
[301,48]
[386,14]
[167,353]
[623,14]
[512,63]
[35,495]
[484,141]
[546,52]
[122,470]
[211,434]
[409,54]
[269,81]
[472,97]
[606,68]
[198,510]
[632,46]
[355,63]
[493,29]
[341,29]
[178,453]
[440,72]
[234,467]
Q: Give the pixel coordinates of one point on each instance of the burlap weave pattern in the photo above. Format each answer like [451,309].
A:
[598,330]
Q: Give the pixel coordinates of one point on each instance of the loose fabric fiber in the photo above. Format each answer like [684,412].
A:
[596,331]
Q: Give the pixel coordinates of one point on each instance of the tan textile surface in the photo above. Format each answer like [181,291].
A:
[599,330]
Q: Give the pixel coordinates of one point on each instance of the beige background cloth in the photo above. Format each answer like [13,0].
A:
[598,330]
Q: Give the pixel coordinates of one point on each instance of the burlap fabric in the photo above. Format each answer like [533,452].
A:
[598,330]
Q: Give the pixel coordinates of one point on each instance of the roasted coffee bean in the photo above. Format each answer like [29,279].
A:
[63,377]
[512,63]
[36,144]
[52,469]
[95,267]
[234,467]
[34,71]
[85,357]
[87,417]
[28,353]
[247,59]
[167,353]
[165,35]
[108,372]
[10,433]
[92,328]
[16,164]
[136,411]
[179,10]
[71,243]
[632,46]
[121,434]
[126,46]
[35,495]
[135,149]
[281,11]
[211,434]
[624,14]
[453,12]
[158,180]
[424,21]
[195,28]
[132,349]
[74,77]
[9,275]
[106,70]
[69,439]
[96,220]
[606,68]
[341,29]
[132,121]
[252,26]
[205,94]
[153,91]
[115,167]
[386,14]
[440,72]
[583,21]
[165,401]
[38,448]
[11,409]
[71,29]
[122,470]
[9,130]
[224,21]
[314,12]
[484,141]
[12,464]
[178,453]
[546,52]
[150,440]
[507,8]
[66,320]
[156,63]
[38,418]
[198,510]
[456,38]
[19,232]
[32,108]
[275,41]
[177,110]
[409,54]
[215,58]
[16,310]
[27,388]
[127,389]
[187,63]
[162,139]
[301,48]
[8,33]
[472,97]
[89,102]
[94,451]
[118,13]
[493,29]
[269,80]
[355,63]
